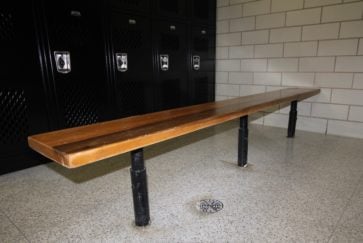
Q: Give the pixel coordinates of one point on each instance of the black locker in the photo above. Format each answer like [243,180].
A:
[132,64]
[170,41]
[131,5]
[171,9]
[22,92]
[203,10]
[202,67]
[75,36]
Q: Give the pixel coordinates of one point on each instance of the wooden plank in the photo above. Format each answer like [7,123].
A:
[79,146]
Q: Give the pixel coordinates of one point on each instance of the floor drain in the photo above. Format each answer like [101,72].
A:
[210,205]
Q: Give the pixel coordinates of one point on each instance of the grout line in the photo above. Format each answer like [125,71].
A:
[21,232]
[345,208]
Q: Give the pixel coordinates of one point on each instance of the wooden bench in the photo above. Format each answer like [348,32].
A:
[83,145]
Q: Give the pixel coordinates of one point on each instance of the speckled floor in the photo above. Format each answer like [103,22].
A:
[306,189]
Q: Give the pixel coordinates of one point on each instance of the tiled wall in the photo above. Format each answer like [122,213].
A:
[264,45]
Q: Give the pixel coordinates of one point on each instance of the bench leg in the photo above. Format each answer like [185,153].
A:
[292,120]
[139,188]
[243,141]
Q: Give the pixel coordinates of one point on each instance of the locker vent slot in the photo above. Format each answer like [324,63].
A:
[169,6]
[14,122]
[125,39]
[131,97]
[171,93]
[80,105]
[70,33]
[170,42]
[6,27]
[201,89]
[201,44]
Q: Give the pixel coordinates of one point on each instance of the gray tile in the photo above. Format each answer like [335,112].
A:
[8,232]
[350,227]
[295,190]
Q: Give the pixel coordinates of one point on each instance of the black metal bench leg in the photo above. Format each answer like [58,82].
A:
[243,141]
[139,188]
[292,120]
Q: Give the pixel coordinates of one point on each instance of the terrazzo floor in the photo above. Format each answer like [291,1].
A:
[306,189]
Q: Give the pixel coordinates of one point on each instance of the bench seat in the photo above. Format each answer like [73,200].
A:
[83,145]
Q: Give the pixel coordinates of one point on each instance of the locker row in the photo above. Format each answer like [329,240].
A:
[73,63]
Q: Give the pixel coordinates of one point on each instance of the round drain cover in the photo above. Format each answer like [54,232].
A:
[210,205]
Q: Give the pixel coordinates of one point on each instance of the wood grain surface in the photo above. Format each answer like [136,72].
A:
[83,145]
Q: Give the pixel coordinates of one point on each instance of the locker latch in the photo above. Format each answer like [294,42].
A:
[164,62]
[62,61]
[196,62]
[121,60]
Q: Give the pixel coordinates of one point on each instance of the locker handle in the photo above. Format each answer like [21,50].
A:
[164,62]
[62,61]
[196,62]
[121,62]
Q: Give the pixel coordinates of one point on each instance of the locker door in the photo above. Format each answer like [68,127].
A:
[77,59]
[174,8]
[203,10]
[133,5]
[202,75]
[22,94]
[171,59]
[132,64]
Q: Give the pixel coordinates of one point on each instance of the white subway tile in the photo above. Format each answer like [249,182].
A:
[221,52]
[227,90]
[270,50]
[358,81]
[351,29]
[232,39]
[283,65]
[316,3]
[320,32]
[255,37]
[267,78]
[251,89]
[274,88]
[311,124]
[356,113]
[360,51]
[303,108]
[276,120]
[220,97]
[330,111]
[346,96]
[221,3]
[256,118]
[241,51]
[254,65]
[221,77]
[256,8]
[283,5]
[303,17]
[316,64]
[338,47]
[342,12]
[323,96]
[242,24]
[270,21]
[222,26]
[345,128]
[229,12]
[334,80]
[228,65]
[285,34]
[349,64]
[298,79]
[301,49]
[240,77]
